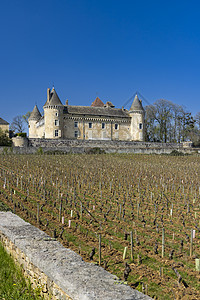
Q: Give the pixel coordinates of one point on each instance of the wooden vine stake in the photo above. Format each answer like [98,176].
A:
[60,211]
[131,245]
[163,242]
[191,242]
[81,211]
[171,211]
[138,209]
[124,254]
[38,213]
[197,264]
[99,249]
[146,289]
[120,211]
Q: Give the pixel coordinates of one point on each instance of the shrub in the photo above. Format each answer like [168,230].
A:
[22,134]
[40,151]
[177,153]
[95,150]
[54,152]
[196,144]
[4,138]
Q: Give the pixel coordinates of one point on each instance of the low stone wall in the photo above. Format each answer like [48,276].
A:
[60,273]
[61,143]
[86,146]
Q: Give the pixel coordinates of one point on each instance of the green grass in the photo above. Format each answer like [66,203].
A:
[4,207]
[12,282]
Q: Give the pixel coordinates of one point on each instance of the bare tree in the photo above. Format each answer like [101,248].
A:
[17,124]
[26,117]
[150,117]
[158,118]
[168,122]
[197,118]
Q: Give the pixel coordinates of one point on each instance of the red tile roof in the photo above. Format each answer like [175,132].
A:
[97,103]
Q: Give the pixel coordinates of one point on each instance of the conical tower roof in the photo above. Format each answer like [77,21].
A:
[136,105]
[53,99]
[35,115]
[97,103]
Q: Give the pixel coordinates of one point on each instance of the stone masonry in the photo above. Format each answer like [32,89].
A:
[58,272]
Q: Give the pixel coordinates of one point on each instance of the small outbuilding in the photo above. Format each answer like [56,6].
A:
[4,125]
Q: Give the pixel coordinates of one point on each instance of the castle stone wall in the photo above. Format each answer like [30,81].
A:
[96,132]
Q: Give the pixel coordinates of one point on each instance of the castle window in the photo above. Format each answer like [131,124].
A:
[116,126]
[56,122]
[56,132]
[76,134]
[90,125]
[76,124]
[103,125]
[56,114]
[140,126]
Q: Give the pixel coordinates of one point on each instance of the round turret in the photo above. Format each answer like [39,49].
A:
[137,120]
[53,115]
[35,116]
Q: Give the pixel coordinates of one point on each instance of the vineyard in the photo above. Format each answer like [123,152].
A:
[116,210]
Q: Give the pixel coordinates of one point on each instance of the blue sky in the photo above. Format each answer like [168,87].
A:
[90,48]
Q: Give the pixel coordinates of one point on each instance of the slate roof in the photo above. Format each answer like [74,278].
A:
[136,105]
[35,115]
[96,111]
[3,122]
[54,99]
[97,103]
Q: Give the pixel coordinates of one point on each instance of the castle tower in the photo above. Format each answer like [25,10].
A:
[33,119]
[53,116]
[137,120]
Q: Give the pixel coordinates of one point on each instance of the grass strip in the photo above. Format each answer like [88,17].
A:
[12,281]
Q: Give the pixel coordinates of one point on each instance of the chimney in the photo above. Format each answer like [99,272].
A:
[48,94]
[66,102]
